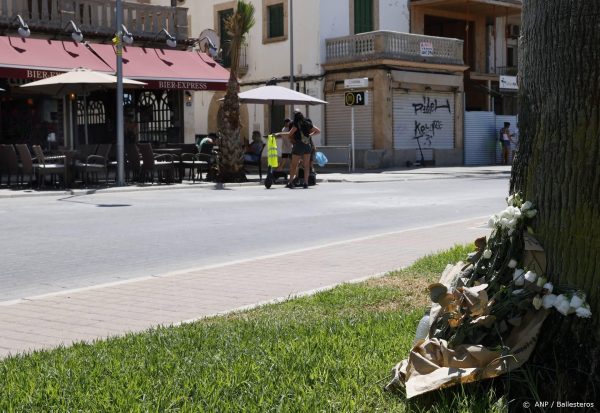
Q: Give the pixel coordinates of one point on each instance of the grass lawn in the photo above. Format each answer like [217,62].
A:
[329,352]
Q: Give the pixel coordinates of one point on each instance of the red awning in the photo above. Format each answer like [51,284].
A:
[168,68]
[41,58]
[159,68]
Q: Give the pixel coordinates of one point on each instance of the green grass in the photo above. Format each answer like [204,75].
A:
[331,352]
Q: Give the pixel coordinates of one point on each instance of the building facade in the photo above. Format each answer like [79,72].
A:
[42,38]
[426,61]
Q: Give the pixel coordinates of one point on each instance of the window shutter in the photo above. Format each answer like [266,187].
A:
[276,20]
[363,16]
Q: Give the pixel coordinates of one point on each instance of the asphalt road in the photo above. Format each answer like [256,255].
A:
[50,244]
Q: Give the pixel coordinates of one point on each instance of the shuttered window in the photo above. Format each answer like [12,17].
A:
[363,16]
[275,20]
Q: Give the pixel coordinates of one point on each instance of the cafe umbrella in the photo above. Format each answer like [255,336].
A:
[277,95]
[80,81]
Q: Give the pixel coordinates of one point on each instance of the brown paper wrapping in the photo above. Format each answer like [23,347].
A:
[431,365]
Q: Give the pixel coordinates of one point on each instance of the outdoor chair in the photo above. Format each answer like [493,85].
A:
[134,162]
[26,165]
[161,164]
[195,162]
[257,163]
[83,151]
[9,164]
[50,165]
[92,167]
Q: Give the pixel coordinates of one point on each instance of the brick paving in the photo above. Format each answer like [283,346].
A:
[115,309]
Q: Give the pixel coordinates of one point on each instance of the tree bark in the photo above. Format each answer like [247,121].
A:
[557,165]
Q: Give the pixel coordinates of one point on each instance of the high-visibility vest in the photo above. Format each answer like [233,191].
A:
[272,151]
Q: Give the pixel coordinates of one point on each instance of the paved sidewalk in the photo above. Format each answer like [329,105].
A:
[136,305]
[324,175]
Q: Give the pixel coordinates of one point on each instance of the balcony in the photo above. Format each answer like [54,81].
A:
[95,18]
[396,46]
[496,8]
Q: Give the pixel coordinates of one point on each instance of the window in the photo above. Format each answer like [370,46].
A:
[275,20]
[95,112]
[363,16]
[275,26]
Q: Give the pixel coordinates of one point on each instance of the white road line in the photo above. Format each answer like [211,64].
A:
[241,261]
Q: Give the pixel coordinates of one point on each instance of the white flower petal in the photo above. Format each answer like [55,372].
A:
[541,281]
[487,254]
[548,287]
[530,276]
[531,213]
[548,300]
[562,307]
[518,277]
[526,205]
[512,264]
[517,292]
[583,312]
[576,302]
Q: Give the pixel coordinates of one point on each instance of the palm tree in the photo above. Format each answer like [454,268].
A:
[232,155]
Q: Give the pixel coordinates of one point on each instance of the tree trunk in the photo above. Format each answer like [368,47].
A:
[230,145]
[557,165]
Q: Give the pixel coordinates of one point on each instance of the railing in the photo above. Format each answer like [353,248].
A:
[95,17]
[506,70]
[394,45]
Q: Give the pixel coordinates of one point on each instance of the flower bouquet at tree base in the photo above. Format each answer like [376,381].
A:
[486,315]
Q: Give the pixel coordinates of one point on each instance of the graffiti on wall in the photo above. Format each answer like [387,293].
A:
[427,120]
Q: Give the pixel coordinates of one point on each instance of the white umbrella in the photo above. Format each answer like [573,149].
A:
[278,95]
[80,81]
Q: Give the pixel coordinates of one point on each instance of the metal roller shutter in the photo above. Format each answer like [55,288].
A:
[481,138]
[339,127]
[428,116]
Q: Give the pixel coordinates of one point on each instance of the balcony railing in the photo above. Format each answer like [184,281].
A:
[394,45]
[95,17]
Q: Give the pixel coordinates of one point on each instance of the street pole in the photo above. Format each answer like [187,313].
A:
[292,53]
[120,132]
[352,134]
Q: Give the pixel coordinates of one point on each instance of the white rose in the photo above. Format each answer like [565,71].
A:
[576,302]
[548,287]
[526,205]
[518,277]
[530,276]
[541,281]
[562,306]
[512,264]
[583,312]
[548,300]
[487,254]
[492,221]
[531,213]
[537,302]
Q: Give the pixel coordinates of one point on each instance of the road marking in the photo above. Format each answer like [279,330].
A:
[240,261]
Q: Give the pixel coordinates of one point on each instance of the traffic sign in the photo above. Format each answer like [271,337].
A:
[354,98]
[358,83]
